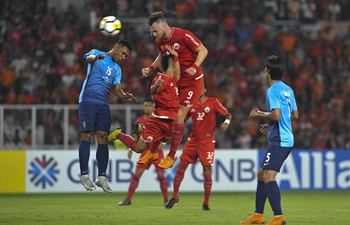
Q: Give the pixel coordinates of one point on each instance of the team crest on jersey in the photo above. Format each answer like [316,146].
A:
[207,109]
[149,139]
[176,46]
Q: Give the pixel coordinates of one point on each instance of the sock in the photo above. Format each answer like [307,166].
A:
[273,193]
[127,140]
[260,197]
[179,176]
[176,139]
[154,147]
[134,183]
[207,186]
[163,183]
[84,156]
[102,157]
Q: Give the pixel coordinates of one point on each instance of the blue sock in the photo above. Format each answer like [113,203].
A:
[260,197]
[102,157]
[273,193]
[84,155]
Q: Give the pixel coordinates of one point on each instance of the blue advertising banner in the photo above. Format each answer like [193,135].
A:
[314,169]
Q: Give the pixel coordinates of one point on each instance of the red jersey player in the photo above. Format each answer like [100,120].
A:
[147,108]
[159,127]
[191,53]
[201,144]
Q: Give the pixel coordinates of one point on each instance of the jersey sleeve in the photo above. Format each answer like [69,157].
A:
[293,103]
[191,41]
[92,52]
[273,100]
[118,76]
[220,108]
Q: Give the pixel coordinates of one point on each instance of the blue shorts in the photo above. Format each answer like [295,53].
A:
[94,117]
[274,157]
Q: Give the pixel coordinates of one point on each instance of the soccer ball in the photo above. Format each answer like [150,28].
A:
[110,26]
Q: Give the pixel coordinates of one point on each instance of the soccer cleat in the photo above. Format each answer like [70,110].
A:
[113,135]
[171,203]
[136,130]
[87,183]
[101,182]
[254,219]
[167,163]
[277,220]
[206,207]
[149,156]
[125,202]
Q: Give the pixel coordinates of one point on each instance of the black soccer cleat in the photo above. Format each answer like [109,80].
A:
[125,202]
[170,203]
[206,207]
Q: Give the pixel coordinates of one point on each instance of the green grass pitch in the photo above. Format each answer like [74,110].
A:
[299,208]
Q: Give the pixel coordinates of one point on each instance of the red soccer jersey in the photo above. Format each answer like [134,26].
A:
[166,100]
[185,44]
[204,120]
[142,119]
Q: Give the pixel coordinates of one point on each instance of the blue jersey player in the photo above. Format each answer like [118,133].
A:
[103,74]
[281,110]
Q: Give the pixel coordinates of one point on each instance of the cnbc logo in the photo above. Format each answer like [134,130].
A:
[43,171]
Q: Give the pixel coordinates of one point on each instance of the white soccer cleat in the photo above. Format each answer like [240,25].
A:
[87,183]
[101,182]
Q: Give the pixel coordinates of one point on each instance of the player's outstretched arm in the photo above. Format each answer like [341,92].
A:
[118,91]
[148,71]
[93,58]
[295,115]
[275,114]
[172,51]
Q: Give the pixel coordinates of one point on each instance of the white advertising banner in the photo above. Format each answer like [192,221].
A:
[58,171]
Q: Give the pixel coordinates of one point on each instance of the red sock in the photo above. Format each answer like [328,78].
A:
[155,146]
[163,183]
[179,176]
[176,139]
[134,183]
[127,140]
[207,186]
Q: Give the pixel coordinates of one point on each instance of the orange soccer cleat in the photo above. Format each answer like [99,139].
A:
[277,220]
[254,219]
[149,156]
[167,163]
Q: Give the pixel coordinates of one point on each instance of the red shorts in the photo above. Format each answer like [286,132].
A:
[204,151]
[155,163]
[190,91]
[157,129]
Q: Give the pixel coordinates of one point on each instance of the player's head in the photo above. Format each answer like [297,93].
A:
[274,67]
[148,106]
[166,63]
[158,25]
[121,50]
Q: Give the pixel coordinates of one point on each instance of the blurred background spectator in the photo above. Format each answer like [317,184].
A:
[42,43]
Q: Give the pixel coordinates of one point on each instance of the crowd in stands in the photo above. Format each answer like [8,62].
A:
[41,59]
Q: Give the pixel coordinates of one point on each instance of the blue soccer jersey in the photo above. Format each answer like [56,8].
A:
[101,75]
[281,96]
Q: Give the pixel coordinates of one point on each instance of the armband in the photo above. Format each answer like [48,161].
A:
[176,59]
[227,121]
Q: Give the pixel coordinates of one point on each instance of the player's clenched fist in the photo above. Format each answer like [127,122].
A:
[146,72]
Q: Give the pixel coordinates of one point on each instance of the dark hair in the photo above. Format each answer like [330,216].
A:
[165,62]
[125,43]
[155,16]
[275,66]
[148,100]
